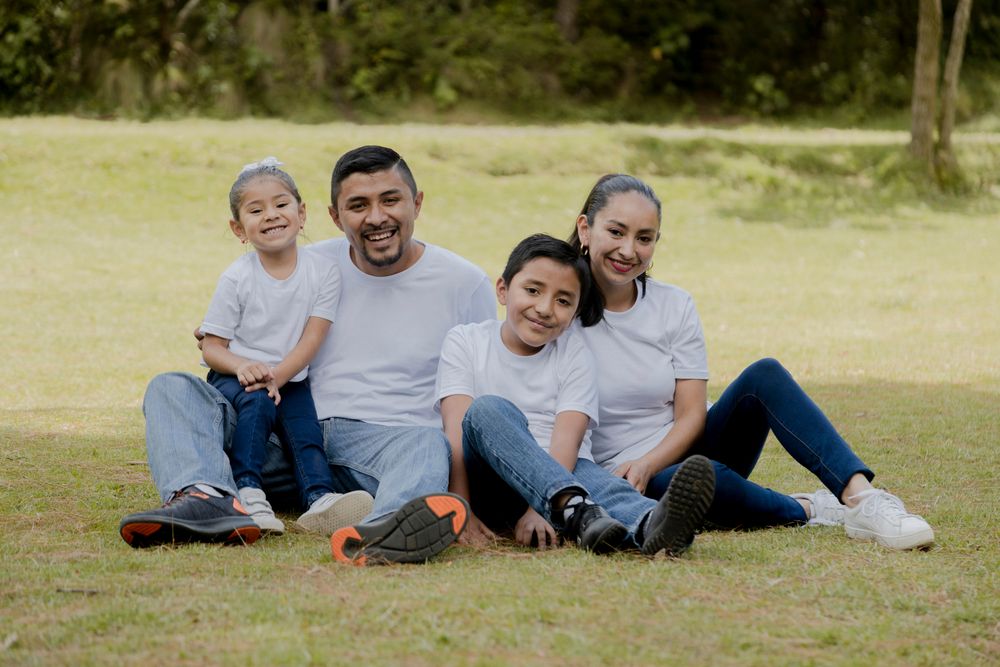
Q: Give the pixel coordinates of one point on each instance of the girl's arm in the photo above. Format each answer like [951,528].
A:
[689,423]
[453,409]
[215,351]
[312,337]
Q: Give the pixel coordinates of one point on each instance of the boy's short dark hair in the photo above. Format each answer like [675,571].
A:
[590,310]
[368,160]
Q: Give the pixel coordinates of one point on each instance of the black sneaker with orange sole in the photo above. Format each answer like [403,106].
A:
[191,516]
[417,531]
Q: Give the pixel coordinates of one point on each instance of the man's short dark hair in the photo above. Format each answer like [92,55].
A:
[368,160]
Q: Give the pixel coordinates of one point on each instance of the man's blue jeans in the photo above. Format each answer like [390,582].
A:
[189,429]
[763,399]
[293,421]
[508,471]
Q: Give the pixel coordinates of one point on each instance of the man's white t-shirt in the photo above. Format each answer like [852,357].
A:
[640,353]
[379,361]
[558,378]
[263,317]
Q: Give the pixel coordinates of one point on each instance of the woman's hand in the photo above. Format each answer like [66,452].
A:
[476,534]
[637,473]
[533,530]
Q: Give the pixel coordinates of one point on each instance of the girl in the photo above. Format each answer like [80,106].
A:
[270,312]
[652,370]
[517,398]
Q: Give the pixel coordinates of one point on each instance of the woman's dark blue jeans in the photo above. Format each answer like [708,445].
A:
[293,421]
[765,398]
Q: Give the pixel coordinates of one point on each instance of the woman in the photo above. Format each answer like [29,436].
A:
[652,375]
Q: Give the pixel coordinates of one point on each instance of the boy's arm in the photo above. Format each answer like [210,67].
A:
[567,435]
[303,352]
[215,351]
[453,409]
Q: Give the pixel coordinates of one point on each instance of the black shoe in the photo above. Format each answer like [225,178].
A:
[191,516]
[591,528]
[681,510]
[420,529]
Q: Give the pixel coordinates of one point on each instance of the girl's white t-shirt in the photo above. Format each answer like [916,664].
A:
[263,317]
[640,353]
[558,378]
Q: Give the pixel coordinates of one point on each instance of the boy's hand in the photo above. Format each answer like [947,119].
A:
[533,530]
[252,373]
[476,534]
[637,473]
[273,393]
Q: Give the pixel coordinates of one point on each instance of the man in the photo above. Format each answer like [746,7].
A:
[372,382]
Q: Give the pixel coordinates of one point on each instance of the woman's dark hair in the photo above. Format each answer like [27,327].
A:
[604,189]
[368,160]
[590,309]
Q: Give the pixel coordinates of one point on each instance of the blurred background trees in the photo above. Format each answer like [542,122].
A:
[470,59]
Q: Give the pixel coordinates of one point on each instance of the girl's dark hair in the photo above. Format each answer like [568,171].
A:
[590,309]
[604,189]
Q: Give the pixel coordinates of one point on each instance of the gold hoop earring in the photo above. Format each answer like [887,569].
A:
[584,251]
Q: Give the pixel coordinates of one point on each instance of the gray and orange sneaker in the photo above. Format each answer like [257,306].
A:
[417,531]
[190,516]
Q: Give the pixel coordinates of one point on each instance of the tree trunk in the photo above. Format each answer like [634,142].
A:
[566,18]
[925,82]
[945,158]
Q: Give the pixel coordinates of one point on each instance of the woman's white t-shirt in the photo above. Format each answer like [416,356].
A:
[640,353]
[263,317]
[558,378]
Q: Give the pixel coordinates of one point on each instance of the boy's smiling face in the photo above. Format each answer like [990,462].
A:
[541,301]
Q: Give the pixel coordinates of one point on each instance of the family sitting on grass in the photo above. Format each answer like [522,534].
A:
[366,381]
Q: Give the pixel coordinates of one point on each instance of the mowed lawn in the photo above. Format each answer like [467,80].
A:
[812,246]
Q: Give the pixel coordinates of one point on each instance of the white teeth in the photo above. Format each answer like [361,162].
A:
[381,236]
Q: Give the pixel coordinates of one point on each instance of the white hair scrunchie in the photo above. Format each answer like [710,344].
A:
[269,161]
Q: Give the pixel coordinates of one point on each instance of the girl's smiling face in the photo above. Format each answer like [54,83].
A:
[270,217]
[541,301]
[621,239]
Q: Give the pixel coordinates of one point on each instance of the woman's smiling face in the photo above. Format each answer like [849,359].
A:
[621,239]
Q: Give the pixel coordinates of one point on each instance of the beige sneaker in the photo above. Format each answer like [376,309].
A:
[334,511]
[880,516]
[255,503]
[824,508]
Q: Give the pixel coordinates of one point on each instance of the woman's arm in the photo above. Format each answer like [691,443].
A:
[689,423]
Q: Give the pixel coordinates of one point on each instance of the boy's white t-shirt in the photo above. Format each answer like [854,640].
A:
[379,362]
[263,317]
[558,378]
[640,353]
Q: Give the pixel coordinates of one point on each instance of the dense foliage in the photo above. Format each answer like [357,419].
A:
[538,58]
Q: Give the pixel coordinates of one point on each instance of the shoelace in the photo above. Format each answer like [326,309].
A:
[883,500]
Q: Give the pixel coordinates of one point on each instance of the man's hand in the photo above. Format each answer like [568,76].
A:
[476,534]
[637,473]
[533,530]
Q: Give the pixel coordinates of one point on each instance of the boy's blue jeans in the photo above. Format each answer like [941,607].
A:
[765,398]
[189,430]
[508,471]
[295,423]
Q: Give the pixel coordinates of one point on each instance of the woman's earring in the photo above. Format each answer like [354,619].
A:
[584,251]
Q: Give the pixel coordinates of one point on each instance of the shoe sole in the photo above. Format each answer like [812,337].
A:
[687,500]
[349,509]
[417,531]
[920,539]
[140,531]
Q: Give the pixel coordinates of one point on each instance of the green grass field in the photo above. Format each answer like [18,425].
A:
[811,246]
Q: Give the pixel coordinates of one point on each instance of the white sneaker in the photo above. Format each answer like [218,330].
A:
[255,503]
[880,516]
[334,511]
[824,508]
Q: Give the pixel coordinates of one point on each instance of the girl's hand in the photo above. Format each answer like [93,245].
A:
[476,534]
[637,473]
[251,373]
[533,530]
